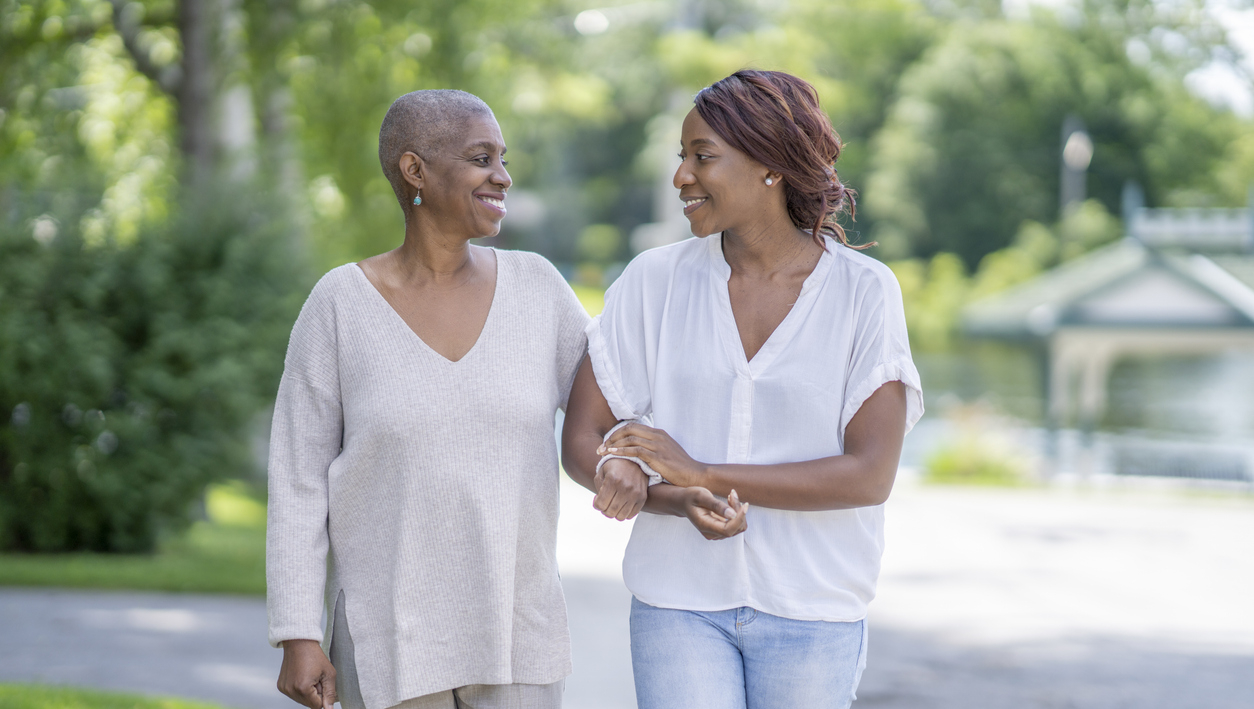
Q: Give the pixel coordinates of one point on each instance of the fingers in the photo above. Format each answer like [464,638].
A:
[617,445]
[631,430]
[307,676]
[713,503]
[309,695]
[624,499]
[739,522]
[645,454]
[328,691]
[611,500]
[716,518]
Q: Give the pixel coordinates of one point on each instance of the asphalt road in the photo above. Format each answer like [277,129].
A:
[997,599]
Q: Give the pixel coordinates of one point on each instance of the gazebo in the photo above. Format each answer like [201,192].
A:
[1180,282]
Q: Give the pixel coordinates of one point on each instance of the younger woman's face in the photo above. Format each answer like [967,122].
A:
[722,188]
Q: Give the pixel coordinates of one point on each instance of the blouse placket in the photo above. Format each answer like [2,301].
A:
[740,430]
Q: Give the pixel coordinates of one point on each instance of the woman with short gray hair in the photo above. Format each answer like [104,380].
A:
[413,467]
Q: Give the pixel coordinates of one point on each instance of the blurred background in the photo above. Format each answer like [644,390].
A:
[1063,188]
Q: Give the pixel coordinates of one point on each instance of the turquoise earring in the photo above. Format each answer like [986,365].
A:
[417,199]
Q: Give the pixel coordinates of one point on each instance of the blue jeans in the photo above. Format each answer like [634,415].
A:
[743,659]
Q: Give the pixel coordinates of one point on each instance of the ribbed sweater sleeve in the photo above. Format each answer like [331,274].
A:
[305,438]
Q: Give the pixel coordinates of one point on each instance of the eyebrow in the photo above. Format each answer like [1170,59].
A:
[699,141]
[486,145]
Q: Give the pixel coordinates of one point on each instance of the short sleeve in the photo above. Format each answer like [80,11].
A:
[619,342]
[572,343]
[305,438]
[881,349]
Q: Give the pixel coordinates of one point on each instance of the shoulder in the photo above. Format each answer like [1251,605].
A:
[537,282]
[863,275]
[528,263]
[666,258]
[661,265]
[335,283]
[330,290]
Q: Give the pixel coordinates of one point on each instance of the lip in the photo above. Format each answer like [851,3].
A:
[689,209]
[499,196]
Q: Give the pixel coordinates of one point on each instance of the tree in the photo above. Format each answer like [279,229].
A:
[971,146]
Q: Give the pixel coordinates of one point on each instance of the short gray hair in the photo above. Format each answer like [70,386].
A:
[423,122]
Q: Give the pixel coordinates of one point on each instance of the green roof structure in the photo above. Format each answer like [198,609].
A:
[1180,282]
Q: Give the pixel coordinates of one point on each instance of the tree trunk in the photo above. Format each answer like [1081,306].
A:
[194,95]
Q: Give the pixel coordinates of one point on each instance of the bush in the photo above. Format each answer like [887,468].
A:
[129,374]
[969,461]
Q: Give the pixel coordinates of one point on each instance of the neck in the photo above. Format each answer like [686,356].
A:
[768,247]
[432,254]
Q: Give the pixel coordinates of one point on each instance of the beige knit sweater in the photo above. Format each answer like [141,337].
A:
[423,489]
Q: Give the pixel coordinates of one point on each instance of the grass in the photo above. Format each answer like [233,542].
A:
[34,696]
[225,554]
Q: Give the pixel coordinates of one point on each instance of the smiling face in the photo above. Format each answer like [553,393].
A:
[463,186]
[722,188]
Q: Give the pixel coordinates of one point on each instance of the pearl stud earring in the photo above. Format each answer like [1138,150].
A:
[769,182]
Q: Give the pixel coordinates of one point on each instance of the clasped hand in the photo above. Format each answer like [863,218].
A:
[623,488]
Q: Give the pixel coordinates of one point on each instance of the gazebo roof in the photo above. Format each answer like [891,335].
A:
[1127,284]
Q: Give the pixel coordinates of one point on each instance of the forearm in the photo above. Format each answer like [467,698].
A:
[579,446]
[588,419]
[666,499]
[834,483]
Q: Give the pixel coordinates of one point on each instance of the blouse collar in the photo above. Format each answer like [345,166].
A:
[718,261]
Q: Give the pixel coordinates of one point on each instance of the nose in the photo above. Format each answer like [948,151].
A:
[683,176]
[500,177]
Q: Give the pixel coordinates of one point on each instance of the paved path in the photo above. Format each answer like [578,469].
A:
[997,599]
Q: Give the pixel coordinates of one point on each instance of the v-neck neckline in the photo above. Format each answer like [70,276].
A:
[487,321]
[784,331]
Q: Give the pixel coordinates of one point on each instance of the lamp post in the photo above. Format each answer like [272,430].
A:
[1077,153]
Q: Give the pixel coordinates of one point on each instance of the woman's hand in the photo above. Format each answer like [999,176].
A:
[655,447]
[307,676]
[622,488]
[713,516]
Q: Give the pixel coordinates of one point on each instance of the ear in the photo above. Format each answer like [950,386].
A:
[775,178]
[413,169]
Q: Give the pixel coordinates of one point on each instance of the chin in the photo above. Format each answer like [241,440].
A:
[701,232]
[487,229]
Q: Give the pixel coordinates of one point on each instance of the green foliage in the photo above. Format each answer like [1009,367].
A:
[970,148]
[975,454]
[129,374]
[935,290]
[34,696]
[224,554]
[972,462]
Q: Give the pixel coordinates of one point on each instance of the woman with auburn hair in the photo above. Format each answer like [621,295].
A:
[763,364]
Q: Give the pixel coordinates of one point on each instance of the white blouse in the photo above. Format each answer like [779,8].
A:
[667,348]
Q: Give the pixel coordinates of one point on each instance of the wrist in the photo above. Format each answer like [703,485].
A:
[701,475]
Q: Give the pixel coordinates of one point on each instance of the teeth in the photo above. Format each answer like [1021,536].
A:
[498,203]
[690,202]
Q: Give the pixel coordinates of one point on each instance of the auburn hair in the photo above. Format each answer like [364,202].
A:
[774,118]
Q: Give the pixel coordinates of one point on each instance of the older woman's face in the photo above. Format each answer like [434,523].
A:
[466,183]
[722,188]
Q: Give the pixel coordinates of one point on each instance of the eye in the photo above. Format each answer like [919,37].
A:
[504,163]
[702,158]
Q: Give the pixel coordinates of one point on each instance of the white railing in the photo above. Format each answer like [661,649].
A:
[1199,229]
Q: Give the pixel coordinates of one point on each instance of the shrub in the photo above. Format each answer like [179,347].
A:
[972,461]
[129,374]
